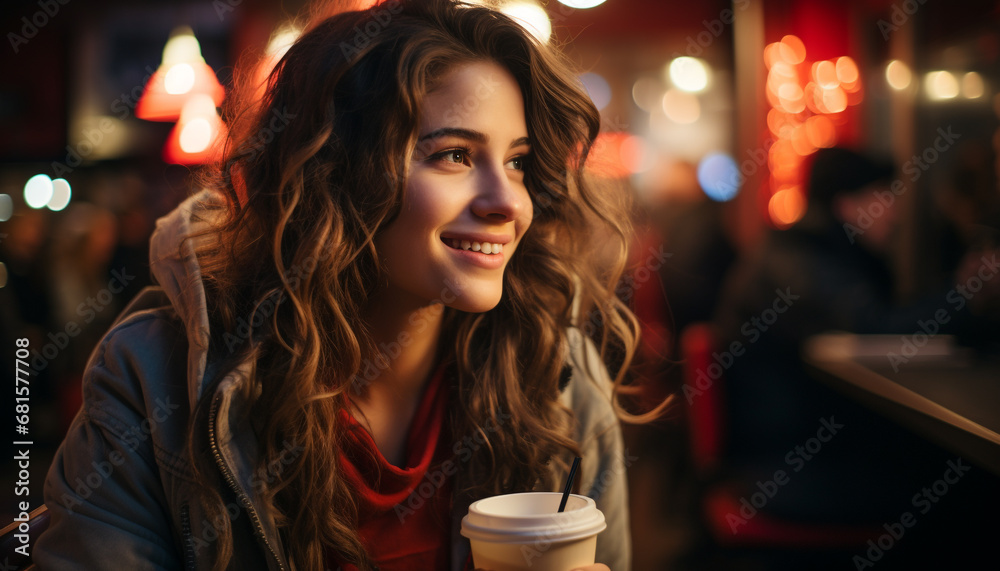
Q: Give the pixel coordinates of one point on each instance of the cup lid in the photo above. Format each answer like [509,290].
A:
[530,516]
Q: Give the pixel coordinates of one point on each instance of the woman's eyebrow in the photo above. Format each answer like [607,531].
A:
[519,142]
[469,135]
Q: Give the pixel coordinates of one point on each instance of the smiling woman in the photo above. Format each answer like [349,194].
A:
[372,321]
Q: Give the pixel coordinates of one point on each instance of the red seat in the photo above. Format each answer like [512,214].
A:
[704,395]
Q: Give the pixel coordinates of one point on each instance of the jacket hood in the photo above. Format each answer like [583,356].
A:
[175,268]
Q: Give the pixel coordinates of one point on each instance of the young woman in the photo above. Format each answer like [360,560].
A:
[384,308]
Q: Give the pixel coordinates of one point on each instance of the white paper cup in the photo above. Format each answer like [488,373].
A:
[514,532]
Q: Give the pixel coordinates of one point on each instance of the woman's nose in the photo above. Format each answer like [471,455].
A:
[499,197]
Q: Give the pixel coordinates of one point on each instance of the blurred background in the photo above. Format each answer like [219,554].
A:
[720,117]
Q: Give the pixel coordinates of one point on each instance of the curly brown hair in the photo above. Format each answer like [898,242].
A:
[313,195]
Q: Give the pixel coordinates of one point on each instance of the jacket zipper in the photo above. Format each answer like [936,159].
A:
[189,560]
[227,473]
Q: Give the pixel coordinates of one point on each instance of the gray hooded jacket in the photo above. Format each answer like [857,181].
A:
[121,492]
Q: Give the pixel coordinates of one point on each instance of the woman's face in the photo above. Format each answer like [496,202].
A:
[465,208]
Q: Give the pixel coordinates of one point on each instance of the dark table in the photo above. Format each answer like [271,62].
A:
[944,393]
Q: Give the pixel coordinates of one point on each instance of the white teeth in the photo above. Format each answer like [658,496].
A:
[484,247]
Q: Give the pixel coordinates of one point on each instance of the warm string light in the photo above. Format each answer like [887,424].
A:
[807,101]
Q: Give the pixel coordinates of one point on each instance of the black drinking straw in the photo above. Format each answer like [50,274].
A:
[569,484]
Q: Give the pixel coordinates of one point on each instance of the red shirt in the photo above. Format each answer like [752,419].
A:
[404,514]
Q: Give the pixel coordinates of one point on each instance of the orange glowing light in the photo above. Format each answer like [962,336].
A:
[786,207]
[605,158]
[632,152]
[778,121]
[847,70]
[834,100]
[801,143]
[771,55]
[825,74]
[821,131]
[806,112]
[792,50]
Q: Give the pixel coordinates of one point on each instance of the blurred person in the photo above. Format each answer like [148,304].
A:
[829,271]
[691,228]
[380,299]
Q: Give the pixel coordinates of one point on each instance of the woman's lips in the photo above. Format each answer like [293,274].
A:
[478,258]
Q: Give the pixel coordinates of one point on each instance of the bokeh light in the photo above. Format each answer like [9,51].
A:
[196,136]
[6,207]
[61,194]
[582,4]
[647,92]
[786,207]
[689,74]
[847,70]
[972,85]
[898,75]
[38,191]
[941,85]
[791,50]
[635,155]
[834,100]
[605,158]
[282,39]
[532,17]
[719,176]
[825,74]
[681,107]
[597,88]
[179,79]
[821,131]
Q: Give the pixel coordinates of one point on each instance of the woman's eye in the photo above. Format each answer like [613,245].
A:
[457,156]
[517,163]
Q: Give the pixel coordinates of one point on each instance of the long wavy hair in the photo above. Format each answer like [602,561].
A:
[292,247]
